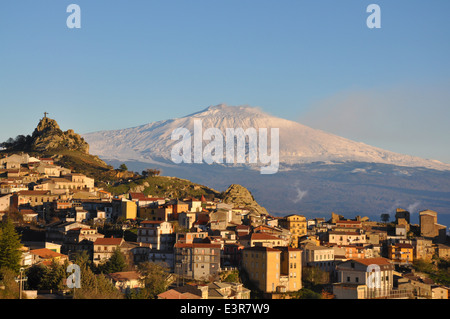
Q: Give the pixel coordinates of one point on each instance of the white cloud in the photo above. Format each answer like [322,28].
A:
[300,194]
[406,119]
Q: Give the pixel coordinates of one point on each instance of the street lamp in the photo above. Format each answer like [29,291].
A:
[20,280]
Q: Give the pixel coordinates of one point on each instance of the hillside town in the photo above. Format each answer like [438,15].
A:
[207,248]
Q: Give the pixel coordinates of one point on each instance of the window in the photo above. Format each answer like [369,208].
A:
[348,279]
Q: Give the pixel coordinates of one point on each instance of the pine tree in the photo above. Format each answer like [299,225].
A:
[116,263]
[10,254]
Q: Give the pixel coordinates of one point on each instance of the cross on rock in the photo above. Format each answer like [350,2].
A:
[45,114]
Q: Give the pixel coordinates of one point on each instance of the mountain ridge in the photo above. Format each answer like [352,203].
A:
[152,142]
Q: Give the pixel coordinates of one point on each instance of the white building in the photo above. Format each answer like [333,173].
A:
[366,278]
[318,256]
[160,234]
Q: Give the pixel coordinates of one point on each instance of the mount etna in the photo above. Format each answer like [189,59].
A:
[318,173]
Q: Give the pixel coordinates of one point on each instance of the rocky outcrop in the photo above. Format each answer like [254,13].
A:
[48,136]
[240,196]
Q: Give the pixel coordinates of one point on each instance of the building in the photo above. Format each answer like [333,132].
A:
[439,292]
[33,198]
[159,234]
[128,209]
[104,248]
[318,256]
[66,184]
[191,237]
[348,224]
[262,239]
[232,254]
[401,253]
[80,239]
[12,186]
[422,286]
[273,270]
[47,256]
[178,207]
[57,231]
[443,251]
[159,213]
[213,290]
[402,216]
[28,215]
[423,248]
[429,228]
[346,237]
[5,202]
[187,219]
[49,170]
[297,225]
[125,281]
[369,278]
[200,261]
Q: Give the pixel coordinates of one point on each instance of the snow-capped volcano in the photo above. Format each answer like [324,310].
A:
[297,143]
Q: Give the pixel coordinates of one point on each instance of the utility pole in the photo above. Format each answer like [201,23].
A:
[21,279]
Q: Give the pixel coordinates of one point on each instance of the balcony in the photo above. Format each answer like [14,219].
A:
[390,294]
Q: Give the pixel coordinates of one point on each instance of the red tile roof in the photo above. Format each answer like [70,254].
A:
[173,294]
[370,261]
[124,275]
[263,236]
[108,241]
[45,253]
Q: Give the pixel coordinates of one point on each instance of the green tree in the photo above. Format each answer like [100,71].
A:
[46,277]
[116,263]
[95,286]
[35,274]
[313,276]
[123,168]
[10,288]
[306,293]
[155,279]
[385,218]
[56,273]
[10,245]
[232,276]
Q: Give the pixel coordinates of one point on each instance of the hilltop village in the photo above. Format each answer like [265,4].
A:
[200,242]
[141,235]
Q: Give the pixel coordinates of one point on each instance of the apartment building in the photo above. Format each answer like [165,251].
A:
[318,256]
[159,234]
[198,261]
[365,279]
[297,225]
[272,270]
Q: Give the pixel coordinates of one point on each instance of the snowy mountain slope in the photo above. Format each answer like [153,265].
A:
[297,143]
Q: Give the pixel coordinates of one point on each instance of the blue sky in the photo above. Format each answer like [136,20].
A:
[316,62]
